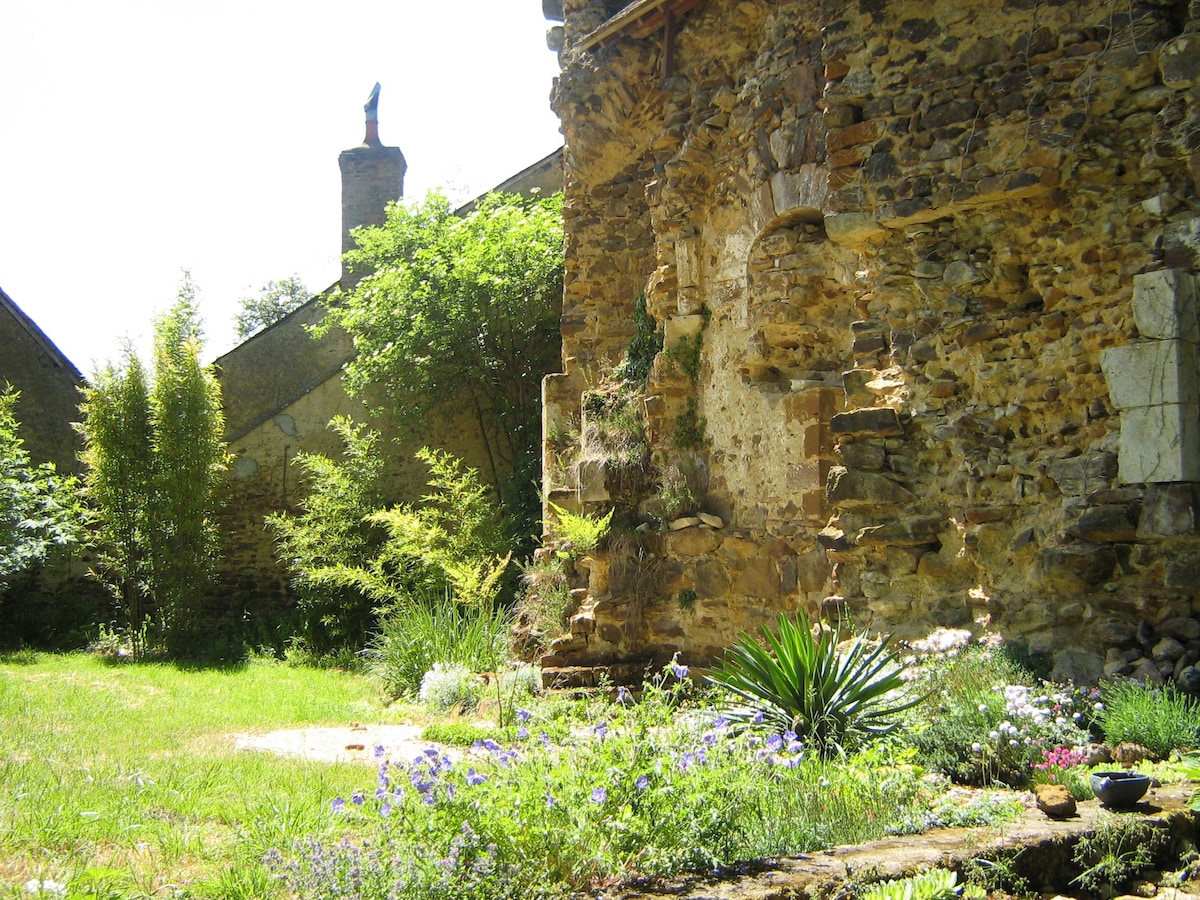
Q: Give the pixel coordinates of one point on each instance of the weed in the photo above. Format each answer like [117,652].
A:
[690,428]
[685,353]
[646,344]
[1116,853]
[582,532]
[686,599]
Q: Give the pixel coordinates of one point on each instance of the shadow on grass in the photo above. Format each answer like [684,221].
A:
[26,657]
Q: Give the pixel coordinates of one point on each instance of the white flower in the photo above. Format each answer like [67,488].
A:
[977,747]
[46,887]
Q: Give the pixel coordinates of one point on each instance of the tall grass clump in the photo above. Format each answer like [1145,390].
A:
[641,792]
[1160,718]
[415,637]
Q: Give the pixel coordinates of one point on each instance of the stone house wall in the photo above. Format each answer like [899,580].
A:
[49,384]
[932,254]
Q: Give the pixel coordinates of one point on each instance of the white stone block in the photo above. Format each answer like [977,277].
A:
[593,481]
[687,262]
[1160,444]
[1164,305]
[678,327]
[1152,373]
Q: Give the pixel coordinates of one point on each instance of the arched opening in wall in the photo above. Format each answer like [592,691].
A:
[798,310]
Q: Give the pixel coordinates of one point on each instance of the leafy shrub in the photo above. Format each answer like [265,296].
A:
[400,571]
[795,682]
[448,686]
[1161,719]
[647,342]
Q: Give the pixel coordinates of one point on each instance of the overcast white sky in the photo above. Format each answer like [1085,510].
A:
[139,138]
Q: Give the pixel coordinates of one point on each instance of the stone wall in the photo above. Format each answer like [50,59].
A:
[925,252]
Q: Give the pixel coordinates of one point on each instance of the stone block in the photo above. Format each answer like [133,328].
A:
[880,421]
[1169,510]
[846,488]
[1179,61]
[1164,305]
[852,228]
[1078,564]
[1151,373]
[801,193]
[1113,523]
[1080,475]
[1160,444]
[677,328]
[911,531]
[687,263]
[593,481]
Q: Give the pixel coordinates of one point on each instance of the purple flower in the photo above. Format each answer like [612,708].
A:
[475,778]
[720,723]
[488,745]
[357,798]
[623,695]
[550,801]
[601,730]
[686,761]
[522,733]
[775,743]
[679,670]
[524,715]
[338,804]
[643,782]
[505,757]
[386,809]
[758,718]
[379,751]
[599,795]
[545,739]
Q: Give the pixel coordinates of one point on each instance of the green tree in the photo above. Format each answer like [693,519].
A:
[462,314]
[156,463]
[274,301]
[38,510]
[189,469]
[119,454]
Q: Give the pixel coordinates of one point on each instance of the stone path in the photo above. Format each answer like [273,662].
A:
[350,743]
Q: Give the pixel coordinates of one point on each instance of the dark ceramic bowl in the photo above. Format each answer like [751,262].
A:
[1119,788]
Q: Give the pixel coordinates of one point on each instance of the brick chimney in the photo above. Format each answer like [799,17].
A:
[372,177]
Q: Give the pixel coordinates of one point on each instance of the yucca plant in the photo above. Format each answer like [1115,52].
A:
[795,681]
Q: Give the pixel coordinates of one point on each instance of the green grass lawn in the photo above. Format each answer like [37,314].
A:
[124,776]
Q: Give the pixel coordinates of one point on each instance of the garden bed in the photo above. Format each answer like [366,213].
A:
[1036,848]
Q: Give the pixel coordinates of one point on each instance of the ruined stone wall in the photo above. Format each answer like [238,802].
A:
[915,244]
